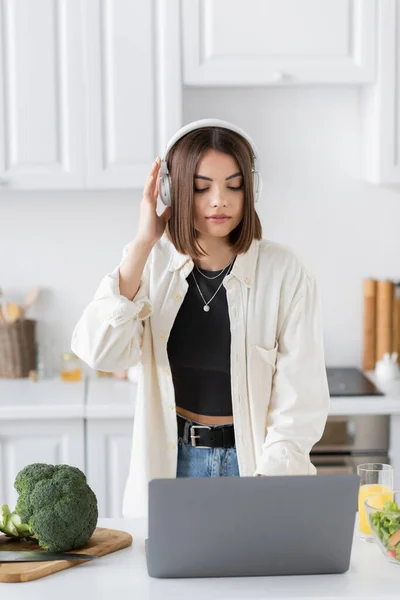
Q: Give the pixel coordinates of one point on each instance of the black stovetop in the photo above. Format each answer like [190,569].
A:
[349,381]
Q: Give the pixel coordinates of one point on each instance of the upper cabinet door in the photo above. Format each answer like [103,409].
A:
[41,95]
[261,42]
[381,103]
[133,94]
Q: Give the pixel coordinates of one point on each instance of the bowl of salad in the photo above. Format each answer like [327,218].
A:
[384,519]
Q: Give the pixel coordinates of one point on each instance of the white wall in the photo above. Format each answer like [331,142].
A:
[314,200]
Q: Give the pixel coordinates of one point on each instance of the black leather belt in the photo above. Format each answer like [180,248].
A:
[205,436]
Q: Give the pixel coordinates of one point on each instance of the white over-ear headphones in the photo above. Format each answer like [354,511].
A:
[165,178]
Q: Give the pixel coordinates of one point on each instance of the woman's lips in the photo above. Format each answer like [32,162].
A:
[218,219]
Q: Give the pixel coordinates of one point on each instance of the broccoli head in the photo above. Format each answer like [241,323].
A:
[55,505]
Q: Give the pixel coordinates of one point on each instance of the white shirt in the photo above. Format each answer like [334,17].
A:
[279,386]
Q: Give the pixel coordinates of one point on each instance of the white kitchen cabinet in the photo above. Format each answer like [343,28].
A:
[90,91]
[22,442]
[41,95]
[108,447]
[381,103]
[270,42]
[133,87]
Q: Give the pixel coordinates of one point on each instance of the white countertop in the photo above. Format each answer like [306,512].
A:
[123,574]
[45,399]
[112,398]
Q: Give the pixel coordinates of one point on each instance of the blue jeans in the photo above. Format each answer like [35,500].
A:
[205,462]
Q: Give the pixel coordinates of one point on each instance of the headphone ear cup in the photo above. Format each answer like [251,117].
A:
[168,199]
[165,188]
[257,189]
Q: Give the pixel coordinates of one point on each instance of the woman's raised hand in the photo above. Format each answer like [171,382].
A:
[152,225]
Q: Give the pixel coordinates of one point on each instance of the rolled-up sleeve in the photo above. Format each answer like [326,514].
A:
[299,401]
[108,335]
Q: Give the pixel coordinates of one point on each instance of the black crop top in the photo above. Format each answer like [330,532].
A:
[199,348]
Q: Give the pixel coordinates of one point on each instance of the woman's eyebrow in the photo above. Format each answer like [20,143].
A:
[209,178]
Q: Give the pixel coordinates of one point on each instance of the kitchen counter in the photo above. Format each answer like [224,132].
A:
[106,398]
[123,574]
[112,398]
[45,399]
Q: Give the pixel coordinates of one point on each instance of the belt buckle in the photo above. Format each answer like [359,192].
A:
[193,437]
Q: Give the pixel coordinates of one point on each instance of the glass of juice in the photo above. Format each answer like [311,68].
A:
[375,478]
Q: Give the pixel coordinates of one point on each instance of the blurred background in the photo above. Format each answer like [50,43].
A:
[91,91]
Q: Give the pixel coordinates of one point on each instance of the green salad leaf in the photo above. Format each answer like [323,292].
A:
[391,506]
[386,523]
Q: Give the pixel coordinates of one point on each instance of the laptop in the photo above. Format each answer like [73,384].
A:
[251,526]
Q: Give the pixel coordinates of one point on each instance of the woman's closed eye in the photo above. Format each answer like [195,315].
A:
[199,191]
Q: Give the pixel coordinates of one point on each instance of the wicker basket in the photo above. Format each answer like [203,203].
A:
[17,348]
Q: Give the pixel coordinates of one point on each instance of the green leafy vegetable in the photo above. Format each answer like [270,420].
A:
[55,506]
[387,525]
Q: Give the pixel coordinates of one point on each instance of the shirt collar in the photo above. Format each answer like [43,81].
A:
[243,269]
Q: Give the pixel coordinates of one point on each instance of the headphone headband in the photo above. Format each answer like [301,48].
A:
[165,184]
[211,123]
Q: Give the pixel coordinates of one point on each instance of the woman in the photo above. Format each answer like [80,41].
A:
[225,325]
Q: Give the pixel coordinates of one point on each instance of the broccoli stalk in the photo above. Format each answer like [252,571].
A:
[11,524]
[55,506]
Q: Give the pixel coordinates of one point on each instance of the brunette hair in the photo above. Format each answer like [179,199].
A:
[182,161]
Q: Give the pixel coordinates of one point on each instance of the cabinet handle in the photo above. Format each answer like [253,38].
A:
[278,76]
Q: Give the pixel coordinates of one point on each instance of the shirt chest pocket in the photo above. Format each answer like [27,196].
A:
[262,365]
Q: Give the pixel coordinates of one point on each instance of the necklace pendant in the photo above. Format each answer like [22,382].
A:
[206,308]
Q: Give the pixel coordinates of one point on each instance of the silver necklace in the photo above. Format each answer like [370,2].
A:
[206,307]
[215,276]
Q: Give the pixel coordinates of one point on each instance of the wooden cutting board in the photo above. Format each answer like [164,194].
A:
[103,541]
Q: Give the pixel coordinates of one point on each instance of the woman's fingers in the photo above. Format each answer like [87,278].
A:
[157,185]
[151,183]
